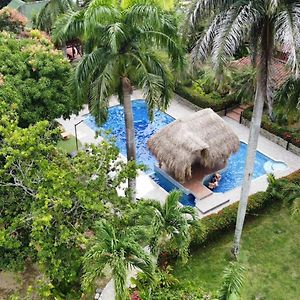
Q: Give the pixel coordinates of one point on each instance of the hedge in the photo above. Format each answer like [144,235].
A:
[206,101]
[213,225]
[283,132]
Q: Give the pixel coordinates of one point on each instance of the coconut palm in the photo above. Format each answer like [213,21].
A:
[136,45]
[171,226]
[117,250]
[266,24]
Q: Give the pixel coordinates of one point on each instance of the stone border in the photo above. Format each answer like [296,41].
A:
[274,138]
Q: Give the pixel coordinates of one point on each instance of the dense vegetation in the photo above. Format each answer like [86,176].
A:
[71,218]
[34,78]
[288,133]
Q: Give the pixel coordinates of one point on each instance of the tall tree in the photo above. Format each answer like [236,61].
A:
[119,251]
[265,23]
[136,45]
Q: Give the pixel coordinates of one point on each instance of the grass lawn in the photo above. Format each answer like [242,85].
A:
[68,145]
[270,252]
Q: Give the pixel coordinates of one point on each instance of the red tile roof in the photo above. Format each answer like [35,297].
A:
[279,71]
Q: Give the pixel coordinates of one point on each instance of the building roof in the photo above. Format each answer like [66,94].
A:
[203,137]
[28,9]
[279,72]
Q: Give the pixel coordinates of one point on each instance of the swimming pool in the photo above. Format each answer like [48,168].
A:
[144,129]
[232,177]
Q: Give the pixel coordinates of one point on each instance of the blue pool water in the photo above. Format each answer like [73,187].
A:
[144,129]
[233,176]
[142,125]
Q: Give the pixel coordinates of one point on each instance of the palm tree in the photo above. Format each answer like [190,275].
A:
[266,24]
[119,251]
[171,226]
[136,45]
[51,12]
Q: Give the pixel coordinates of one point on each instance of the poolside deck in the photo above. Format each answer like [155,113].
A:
[180,108]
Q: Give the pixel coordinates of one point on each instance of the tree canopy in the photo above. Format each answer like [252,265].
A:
[49,203]
[35,78]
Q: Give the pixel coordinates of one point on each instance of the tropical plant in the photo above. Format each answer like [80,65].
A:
[266,24]
[287,102]
[288,191]
[233,277]
[136,45]
[51,12]
[171,224]
[115,248]
[242,84]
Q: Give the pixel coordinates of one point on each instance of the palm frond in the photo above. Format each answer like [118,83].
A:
[145,16]
[119,272]
[233,277]
[233,28]
[51,12]
[100,91]
[101,13]
[288,34]
[202,8]
[68,26]
[165,42]
[157,63]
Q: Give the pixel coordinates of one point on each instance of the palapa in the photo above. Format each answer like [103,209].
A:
[203,137]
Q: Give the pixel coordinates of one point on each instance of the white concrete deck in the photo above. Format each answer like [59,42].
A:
[179,108]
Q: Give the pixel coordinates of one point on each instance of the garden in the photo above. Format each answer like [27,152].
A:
[71,224]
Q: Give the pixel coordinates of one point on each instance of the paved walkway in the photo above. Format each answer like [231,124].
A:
[235,114]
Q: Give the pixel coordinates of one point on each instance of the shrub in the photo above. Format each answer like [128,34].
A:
[12,20]
[281,131]
[215,224]
[213,100]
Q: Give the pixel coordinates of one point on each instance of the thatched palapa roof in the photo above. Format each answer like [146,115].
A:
[203,137]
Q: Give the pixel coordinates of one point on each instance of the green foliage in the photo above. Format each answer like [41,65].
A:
[213,100]
[213,225]
[51,12]
[287,191]
[171,227]
[50,203]
[287,102]
[242,84]
[285,132]
[117,249]
[35,78]
[233,278]
[164,287]
[12,20]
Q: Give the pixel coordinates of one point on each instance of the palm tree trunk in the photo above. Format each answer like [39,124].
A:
[267,40]
[130,136]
